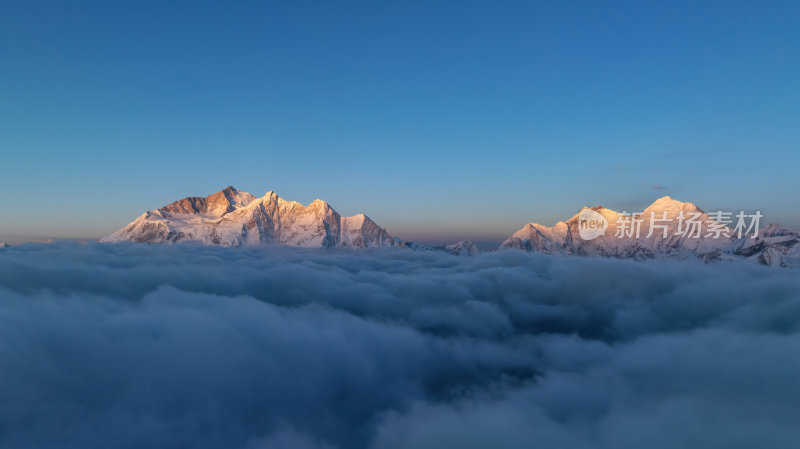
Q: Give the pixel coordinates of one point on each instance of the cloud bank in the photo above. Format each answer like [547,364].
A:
[179,346]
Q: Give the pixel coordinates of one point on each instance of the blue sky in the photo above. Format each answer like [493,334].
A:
[440,120]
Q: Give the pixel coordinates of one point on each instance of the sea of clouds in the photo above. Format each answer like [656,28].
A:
[136,346]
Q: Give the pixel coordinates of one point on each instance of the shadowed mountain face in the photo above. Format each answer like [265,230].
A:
[679,229]
[234,218]
[214,205]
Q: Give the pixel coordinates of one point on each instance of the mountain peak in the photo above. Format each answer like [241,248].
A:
[776,230]
[668,204]
[216,204]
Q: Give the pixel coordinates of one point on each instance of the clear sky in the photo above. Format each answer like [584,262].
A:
[440,120]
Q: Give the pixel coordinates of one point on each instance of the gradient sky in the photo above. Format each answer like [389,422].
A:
[440,120]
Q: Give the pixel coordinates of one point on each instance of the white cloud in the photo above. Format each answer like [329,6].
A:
[181,346]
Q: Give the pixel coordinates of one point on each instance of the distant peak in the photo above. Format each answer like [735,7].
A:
[668,200]
[776,230]
[667,203]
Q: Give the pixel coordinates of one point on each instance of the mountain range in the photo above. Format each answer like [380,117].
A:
[231,217]
[774,245]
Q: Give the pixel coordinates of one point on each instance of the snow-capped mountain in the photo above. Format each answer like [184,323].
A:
[231,217]
[680,229]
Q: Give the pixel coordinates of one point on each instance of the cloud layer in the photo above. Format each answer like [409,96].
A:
[180,346]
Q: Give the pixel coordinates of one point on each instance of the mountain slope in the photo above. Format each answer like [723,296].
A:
[231,217]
